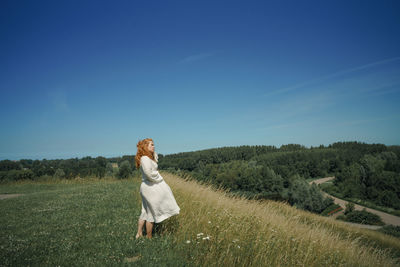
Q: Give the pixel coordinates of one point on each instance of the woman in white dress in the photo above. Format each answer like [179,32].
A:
[158,202]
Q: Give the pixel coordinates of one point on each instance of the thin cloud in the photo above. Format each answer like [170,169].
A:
[196,57]
[386,87]
[303,105]
[332,75]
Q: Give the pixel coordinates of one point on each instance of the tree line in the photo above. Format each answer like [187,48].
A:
[365,171]
[119,167]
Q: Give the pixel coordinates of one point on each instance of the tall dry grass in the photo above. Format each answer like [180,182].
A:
[215,229]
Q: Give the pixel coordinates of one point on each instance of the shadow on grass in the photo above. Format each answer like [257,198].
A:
[166,227]
[169,226]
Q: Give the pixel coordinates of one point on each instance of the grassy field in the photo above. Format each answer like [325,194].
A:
[93,222]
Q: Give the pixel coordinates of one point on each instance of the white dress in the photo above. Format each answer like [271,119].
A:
[158,202]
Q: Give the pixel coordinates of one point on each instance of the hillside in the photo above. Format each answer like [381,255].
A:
[93,222]
[364,172]
[269,233]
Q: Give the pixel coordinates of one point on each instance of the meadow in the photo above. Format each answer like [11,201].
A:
[92,222]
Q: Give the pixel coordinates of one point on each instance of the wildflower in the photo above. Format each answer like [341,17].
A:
[187,241]
[206,238]
[209,221]
[235,240]
[199,235]
[238,246]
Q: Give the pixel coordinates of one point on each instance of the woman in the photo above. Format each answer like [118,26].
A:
[158,202]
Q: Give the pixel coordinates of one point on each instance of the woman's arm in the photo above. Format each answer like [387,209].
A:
[152,175]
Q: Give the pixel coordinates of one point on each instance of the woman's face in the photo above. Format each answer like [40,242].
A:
[150,147]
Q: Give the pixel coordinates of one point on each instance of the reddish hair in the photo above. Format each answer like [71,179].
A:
[143,151]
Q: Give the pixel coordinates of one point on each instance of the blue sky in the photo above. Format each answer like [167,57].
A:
[90,78]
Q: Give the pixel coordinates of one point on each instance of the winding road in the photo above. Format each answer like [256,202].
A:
[386,217]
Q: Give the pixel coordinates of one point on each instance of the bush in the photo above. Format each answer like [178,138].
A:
[45,178]
[391,230]
[307,197]
[124,170]
[331,209]
[349,208]
[363,217]
[109,170]
[15,175]
[59,174]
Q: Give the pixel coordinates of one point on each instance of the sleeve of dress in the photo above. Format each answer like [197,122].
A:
[151,174]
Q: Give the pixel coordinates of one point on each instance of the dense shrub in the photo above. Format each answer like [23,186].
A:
[331,209]
[59,174]
[391,230]
[124,170]
[307,197]
[109,170]
[15,175]
[7,165]
[349,208]
[363,217]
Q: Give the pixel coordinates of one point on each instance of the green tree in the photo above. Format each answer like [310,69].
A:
[124,170]
[307,197]
[109,170]
[6,165]
[349,208]
[59,174]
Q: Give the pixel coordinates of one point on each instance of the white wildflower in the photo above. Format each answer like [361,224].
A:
[238,246]
[187,241]
[209,221]
[206,238]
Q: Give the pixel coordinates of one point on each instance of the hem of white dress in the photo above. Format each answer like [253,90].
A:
[161,218]
[166,216]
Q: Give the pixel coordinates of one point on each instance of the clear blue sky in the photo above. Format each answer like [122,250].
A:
[90,78]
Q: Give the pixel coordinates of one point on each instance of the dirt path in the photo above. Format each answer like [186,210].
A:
[4,196]
[386,217]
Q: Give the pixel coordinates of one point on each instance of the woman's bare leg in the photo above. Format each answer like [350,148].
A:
[149,229]
[140,228]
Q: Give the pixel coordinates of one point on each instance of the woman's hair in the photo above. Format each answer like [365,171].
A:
[143,151]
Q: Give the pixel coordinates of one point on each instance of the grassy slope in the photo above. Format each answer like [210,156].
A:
[93,223]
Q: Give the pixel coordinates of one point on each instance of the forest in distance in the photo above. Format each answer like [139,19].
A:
[368,172]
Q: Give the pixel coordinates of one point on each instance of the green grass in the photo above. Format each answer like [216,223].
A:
[78,224]
[93,223]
